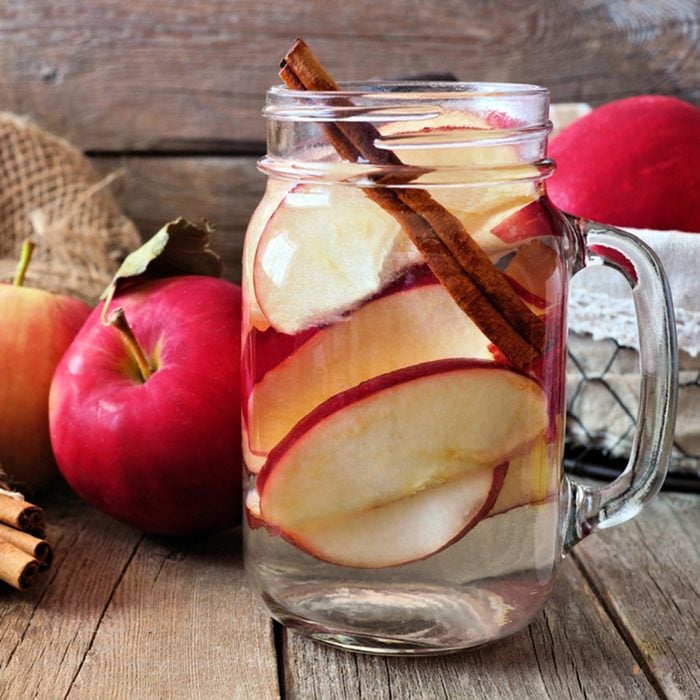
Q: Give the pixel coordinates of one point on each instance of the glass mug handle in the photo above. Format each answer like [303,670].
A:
[592,508]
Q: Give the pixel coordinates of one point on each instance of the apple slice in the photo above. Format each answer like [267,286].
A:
[323,251]
[275,192]
[532,478]
[400,443]
[398,329]
[467,147]
[536,273]
[405,530]
[520,540]
[536,220]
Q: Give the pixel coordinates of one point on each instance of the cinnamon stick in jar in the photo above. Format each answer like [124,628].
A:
[457,261]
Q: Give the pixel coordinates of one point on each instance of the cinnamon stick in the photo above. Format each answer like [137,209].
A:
[17,513]
[17,568]
[38,548]
[467,273]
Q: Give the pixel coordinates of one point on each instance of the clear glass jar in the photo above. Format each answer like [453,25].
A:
[405,283]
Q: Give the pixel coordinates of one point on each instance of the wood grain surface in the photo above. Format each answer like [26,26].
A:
[565,653]
[123,615]
[127,615]
[225,191]
[647,575]
[191,76]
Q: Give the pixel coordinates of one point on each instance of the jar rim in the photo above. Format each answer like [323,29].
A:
[391,100]
[416,89]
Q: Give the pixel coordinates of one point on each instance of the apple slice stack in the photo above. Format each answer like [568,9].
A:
[380,423]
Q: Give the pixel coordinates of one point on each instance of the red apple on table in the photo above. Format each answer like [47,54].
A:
[396,468]
[631,162]
[160,452]
[36,327]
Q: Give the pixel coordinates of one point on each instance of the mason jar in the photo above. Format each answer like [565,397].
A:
[404,342]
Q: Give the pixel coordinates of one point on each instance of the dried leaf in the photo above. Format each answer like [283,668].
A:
[179,248]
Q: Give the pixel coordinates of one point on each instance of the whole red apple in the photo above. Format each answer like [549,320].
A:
[160,452]
[36,327]
[631,162]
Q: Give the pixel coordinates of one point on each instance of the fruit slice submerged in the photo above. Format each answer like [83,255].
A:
[411,528]
[420,434]
[323,251]
[275,192]
[532,478]
[471,149]
[364,345]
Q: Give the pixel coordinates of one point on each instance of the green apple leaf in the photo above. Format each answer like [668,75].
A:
[179,248]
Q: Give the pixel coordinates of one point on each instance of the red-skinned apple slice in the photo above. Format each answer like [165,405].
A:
[274,194]
[536,220]
[532,478]
[362,346]
[323,251]
[432,438]
[535,271]
[403,531]
[456,146]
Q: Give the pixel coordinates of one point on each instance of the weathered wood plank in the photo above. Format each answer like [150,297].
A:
[223,190]
[182,624]
[571,650]
[647,572]
[143,74]
[46,632]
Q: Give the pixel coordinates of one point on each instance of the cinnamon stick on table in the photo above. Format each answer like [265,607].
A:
[17,513]
[16,566]
[23,552]
[460,264]
[38,548]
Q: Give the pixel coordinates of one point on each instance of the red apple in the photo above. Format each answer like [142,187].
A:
[36,327]
[397,467]
[161,453]
[631,162]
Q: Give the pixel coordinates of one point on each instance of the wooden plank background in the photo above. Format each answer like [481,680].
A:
[173,90]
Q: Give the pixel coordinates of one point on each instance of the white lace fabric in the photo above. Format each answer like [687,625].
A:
[600,300]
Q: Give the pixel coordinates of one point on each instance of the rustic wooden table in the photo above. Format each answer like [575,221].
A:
[171,93]
[123,615]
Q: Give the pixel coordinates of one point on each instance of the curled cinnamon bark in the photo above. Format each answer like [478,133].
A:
[38,548]
[454,257]
[17,568]
[17,513]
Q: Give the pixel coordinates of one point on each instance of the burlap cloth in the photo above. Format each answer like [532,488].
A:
[50,192]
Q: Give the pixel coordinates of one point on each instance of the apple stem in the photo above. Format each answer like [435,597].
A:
[118,319]
[24,258]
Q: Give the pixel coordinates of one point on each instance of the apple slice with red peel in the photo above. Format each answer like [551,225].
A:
[532,478]
[405,530]
[536,220]
[457,140]
[364,345]
[536,273]
[395,446]
[323,251]
[275,192]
